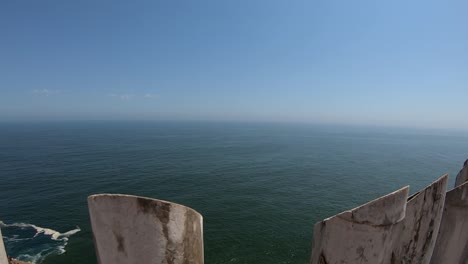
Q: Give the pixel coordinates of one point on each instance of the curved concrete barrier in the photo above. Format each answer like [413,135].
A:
[430,227]
[452,241]
[391,229]
[418,231]
[361,235]
[131,229]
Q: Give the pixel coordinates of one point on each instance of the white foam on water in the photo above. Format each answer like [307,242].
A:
[15,239]
[54,235]
[36,258]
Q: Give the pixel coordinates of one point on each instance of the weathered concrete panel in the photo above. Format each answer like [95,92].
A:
[452,241]
[418,231]
[130,230]
[3,255]
[392,229]
[462,176]
[361,235]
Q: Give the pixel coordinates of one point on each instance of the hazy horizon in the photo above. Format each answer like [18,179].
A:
[396,63]
[336,126]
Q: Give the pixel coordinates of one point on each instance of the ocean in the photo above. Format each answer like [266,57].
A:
[260,186]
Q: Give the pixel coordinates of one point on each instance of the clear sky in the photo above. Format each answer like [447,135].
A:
[398,62]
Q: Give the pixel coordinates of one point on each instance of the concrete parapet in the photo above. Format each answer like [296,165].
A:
[452,241]
[131,229]
[429,227]
[417,233]
[361,234]
[391,229]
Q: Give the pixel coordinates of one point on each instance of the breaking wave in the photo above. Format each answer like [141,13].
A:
[28,242]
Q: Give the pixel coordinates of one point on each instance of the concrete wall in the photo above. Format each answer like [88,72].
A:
[391,229]
[3,255]
[452,242]
[361,234]
[430,227]
[417,234]
[130,230]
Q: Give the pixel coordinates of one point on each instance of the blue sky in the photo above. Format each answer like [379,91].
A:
[398,63]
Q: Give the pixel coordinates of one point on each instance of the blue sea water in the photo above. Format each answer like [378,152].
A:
[260,187]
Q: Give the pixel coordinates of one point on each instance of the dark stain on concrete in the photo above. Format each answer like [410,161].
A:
[393,259]
[120,242]
[426,208]
[428,239]
[322,259]
[160,210]
[360,251]
[192,245]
